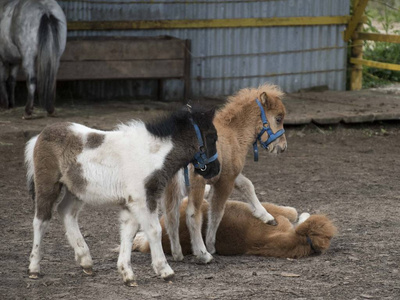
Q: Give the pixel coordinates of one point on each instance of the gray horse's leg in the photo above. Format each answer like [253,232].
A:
[3,89]
[30,71]
[11,82]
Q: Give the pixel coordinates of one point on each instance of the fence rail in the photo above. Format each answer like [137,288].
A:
[354,32]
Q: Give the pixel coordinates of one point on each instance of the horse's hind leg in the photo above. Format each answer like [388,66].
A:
[30,72]
[3,90]
[11,82]
[172,215]
[222,190]
[46,195]
[129,228]
[69,209]
[246,187]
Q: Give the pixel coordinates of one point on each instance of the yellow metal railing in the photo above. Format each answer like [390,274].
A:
[211,23]
[354,32]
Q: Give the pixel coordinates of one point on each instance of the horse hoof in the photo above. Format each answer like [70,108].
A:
[33,275]
[52,115]
[178,257]
[26,117]
[169,277]
[204,259]
[272,222]
[131,283]
[88,271]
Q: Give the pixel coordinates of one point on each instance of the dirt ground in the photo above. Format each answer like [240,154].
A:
[349,172]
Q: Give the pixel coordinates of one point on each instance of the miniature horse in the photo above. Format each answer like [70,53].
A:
[32,33]
[251,116]
[72,165]
[240,233]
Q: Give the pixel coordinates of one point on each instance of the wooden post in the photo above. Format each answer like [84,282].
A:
[356,69]
[356,52]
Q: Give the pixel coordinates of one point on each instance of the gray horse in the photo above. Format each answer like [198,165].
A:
[32,34]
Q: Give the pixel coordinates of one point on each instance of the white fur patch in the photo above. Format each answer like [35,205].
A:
[119,167]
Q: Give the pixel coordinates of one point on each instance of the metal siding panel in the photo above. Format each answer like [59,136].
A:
[236,57]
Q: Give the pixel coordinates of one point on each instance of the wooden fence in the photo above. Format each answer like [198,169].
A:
[354,32]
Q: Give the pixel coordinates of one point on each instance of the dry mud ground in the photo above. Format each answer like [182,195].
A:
[350,173]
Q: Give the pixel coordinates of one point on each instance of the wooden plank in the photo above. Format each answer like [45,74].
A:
[84,70]
[208,23]
[375,64]
[355,19]
[377,37]
[81,50]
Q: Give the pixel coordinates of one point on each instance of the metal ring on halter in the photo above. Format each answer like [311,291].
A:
[203,169]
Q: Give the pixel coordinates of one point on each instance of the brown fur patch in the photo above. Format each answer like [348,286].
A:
[94,140]
[74,176]
[55,160]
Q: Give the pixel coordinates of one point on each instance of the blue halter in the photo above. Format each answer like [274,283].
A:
[200,160]
[271,136]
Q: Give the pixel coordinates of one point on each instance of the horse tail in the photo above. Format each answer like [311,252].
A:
[30,169]
[319,229]
[48,60]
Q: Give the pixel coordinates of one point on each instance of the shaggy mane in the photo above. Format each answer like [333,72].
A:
[236,103]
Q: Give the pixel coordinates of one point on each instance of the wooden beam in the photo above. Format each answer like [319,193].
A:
[375,64]
[212,23]
[355,19]
[89,70]
[377,37]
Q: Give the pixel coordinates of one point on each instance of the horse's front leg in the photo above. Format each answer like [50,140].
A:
[246,187]
[3,90]
[129,228]
[222,190]
[150,224]
[172,203]
[194,219]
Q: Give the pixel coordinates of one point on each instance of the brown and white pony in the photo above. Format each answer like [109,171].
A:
[71,165]
[241,233]
[238,124]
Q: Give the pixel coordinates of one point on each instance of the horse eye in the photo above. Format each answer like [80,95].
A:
[278,120]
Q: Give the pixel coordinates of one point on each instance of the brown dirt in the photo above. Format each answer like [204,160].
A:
[349,172]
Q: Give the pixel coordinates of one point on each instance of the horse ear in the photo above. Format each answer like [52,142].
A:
[264,99]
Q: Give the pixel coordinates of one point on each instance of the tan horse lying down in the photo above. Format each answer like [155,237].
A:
[240,232]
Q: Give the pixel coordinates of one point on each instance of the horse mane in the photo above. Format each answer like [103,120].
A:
[237,102]
[167,125]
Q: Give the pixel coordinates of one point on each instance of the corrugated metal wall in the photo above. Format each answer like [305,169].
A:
[225,60]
